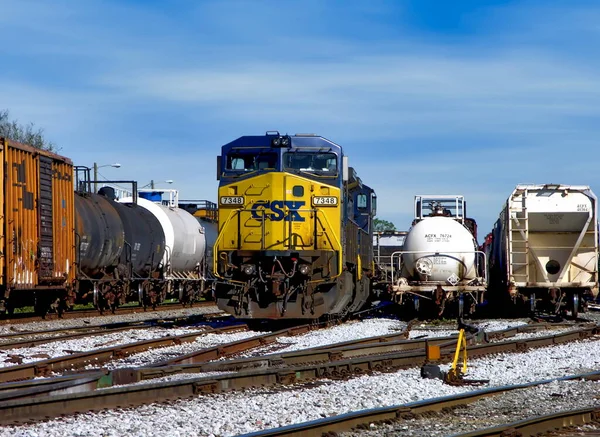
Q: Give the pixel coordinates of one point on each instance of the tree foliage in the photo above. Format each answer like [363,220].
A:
[24,133]
[380,225]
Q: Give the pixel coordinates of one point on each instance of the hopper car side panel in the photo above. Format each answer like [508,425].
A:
[544,248]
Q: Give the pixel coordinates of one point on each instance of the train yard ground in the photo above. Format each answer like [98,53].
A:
[207,407]
[27,315]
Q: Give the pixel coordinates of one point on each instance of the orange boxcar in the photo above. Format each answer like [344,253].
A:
[37,247]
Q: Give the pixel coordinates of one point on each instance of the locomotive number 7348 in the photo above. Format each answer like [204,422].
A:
[325,200]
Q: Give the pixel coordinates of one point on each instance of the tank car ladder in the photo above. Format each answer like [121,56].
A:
[518,232]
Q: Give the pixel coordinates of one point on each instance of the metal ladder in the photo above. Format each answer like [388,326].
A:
[518,236]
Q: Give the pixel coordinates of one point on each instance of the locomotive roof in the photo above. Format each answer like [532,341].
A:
[298,140]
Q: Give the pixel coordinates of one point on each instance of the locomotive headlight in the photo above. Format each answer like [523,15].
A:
[304,269]
[285,141]
[248,269]
[276,142]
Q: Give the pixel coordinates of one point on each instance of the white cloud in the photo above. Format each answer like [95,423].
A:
[472,116]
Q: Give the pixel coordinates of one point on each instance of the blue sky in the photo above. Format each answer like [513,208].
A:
[447,97]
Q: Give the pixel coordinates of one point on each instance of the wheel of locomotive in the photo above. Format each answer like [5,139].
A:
[575,299]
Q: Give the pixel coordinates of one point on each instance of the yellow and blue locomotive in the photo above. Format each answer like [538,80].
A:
[295,229]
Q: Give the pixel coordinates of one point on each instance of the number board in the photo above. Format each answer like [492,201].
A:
[231,200]
[325,201]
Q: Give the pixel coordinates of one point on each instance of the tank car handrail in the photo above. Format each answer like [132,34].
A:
[402,252]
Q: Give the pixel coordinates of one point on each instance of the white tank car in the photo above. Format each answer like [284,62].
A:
[439,262]
[439,249]
[184,236]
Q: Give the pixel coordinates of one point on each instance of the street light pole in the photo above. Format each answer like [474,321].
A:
[96,167]
[95,177]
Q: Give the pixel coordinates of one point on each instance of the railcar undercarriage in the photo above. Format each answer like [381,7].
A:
[287,285]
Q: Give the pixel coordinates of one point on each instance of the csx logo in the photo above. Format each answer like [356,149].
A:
[275,210]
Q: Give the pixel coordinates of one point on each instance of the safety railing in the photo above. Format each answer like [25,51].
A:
[478,255]
[321,222]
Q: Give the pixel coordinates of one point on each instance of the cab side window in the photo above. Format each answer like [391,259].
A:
[361,201]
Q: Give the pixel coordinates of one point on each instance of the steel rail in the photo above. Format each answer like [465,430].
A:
[30,317]
[370,346]
[33,338]
[99,356]
[348,421]
[535,426]
[27,410]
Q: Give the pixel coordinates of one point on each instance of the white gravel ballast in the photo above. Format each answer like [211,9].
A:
[229,414]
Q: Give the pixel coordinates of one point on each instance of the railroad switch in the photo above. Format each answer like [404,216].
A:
[455,375]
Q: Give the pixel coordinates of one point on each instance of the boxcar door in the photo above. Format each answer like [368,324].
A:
[45,219]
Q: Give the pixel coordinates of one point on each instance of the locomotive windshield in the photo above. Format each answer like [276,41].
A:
[251,161]
[319,163]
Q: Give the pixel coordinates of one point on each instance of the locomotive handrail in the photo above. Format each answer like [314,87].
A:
[337,241]
[402,252]
[232,214]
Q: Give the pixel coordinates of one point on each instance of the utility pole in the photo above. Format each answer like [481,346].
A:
[95,177]
[152,184]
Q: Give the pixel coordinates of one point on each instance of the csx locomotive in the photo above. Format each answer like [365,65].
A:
[295,229]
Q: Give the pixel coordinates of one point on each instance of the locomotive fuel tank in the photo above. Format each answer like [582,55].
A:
[99,234]
[437,248]
[185,241]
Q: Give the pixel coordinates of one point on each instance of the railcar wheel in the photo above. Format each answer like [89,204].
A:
[461,305]
[96,296]
[416,303]
[181,294]
[575,312]
[140,294]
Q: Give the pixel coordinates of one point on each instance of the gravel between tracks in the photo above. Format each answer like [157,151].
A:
[504,408]
[235,413]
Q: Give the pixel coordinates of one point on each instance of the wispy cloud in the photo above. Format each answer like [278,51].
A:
[502,95]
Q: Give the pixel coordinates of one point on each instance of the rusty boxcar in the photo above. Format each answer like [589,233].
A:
[37,247]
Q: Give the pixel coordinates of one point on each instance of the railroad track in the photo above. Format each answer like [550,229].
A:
[557,424]
[337,361]
[30,317]
[533,426]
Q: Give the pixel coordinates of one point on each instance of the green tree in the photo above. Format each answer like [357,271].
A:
[380,225]
[26,134]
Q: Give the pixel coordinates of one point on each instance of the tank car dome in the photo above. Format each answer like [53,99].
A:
[444,248]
